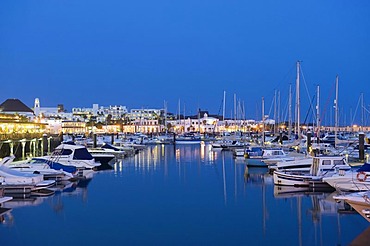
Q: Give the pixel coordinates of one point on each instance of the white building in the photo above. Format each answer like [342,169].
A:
[148,114]
[116,112]
[100,113]
[204,124]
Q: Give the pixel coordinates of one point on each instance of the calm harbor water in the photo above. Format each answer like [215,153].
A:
[180,195]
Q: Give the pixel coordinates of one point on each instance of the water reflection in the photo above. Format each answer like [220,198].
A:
[157,157]
[64,188]
[311,209]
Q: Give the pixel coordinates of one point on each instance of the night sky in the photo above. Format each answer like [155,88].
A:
[142,53]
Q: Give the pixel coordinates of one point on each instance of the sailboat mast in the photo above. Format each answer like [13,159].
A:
[290,112]
[224,106]
[184,119]
[199,120]
[179,111]
[336,109]
[362,110]
[165,115]
[275,107]
[298,102]
[278,110]
[235,111]
[263,121]
[318,114]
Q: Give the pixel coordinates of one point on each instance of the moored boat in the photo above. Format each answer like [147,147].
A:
[48,168]
[13,181]
[73,155]
[322,166]
[188,138]
[258,156]
[354,180]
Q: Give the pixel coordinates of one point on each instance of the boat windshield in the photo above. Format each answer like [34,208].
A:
[62,152]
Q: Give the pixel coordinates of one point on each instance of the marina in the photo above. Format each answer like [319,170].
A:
[186,194]
[184,123]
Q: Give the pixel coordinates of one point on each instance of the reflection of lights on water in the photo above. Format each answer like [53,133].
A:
[154,156]
[211,156]
[162,148]
[117,167]
[202,151]
[177,154]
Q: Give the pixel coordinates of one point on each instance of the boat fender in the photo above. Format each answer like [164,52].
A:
[246,155]
[361,176]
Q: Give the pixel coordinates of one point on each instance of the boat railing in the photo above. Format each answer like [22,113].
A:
[54,157]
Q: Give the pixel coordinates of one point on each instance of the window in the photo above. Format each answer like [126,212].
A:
[63,152]
[326,162]
[339,162]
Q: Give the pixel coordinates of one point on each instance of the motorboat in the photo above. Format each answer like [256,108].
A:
[274,156]
[117,152]
[259,156]
[14,181]
[101,156]
[73,155]
[300,164]
[49,169]
[229,143]
[321,166]
[353,180]
[239,153]
[360,201]
[161,139]
[188,138]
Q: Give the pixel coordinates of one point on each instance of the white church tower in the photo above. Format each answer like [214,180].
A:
[36,108]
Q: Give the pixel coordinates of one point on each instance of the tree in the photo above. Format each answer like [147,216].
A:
[99,125]
[109,119]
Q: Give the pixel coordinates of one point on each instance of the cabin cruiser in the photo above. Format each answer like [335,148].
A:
[48,168]
[108,149]
[321,166]
[227,143]
[259,156]
[73,155]
[188,138]
[14,181]
[302,164]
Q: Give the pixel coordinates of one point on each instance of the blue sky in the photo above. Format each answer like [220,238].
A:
[140,53]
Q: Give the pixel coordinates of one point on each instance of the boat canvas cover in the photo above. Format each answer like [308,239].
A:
[255,151]
[364,168]
[82,154]
[108,146]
